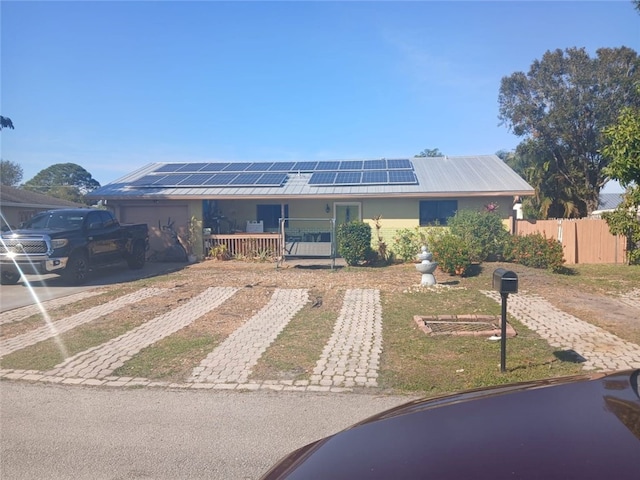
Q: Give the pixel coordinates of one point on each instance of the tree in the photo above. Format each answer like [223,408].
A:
[623,148]
[430,152]
[63,180]
[560,107]
[5,122]
[553,198]
[10,173]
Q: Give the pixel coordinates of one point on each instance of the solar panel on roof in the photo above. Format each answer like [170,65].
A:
[281,166]
[375,164]
[351,165]
[374,176]
[402,176]
[146,180]
[236,167]
[191,167]
[221,179]
[322,178]
[245,179]
[328,166]
[214,167]
[399,164]
[304,166]
[195,179]
[348,178]
[259,167]
[169,167]
[171,180]
[272,179]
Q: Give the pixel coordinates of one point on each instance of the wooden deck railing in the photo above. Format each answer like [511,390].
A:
[245,244]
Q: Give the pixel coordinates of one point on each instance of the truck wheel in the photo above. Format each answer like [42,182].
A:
[77,269]
[138,257]
[8,277]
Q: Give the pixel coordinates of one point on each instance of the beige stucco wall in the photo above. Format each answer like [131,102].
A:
[157,214]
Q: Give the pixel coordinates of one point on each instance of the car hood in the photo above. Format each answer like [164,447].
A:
[53,232]
[578,427]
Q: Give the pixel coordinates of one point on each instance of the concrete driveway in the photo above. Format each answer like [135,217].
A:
[48,287]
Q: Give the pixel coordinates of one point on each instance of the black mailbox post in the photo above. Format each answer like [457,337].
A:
[506,282]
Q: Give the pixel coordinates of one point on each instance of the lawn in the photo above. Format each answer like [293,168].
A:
[411,360]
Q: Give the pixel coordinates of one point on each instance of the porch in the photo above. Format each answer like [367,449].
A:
[290,242]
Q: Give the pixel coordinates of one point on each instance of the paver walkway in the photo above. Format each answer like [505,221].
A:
[600,348]
[352,355]
[101,361]
[51,330]
[21,313]
[349,359]
[233,360]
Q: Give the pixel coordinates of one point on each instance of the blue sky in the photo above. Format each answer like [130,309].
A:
[112,86]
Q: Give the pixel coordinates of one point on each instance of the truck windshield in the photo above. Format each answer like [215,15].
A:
[64,220]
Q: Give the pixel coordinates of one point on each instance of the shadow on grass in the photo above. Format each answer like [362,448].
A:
[569,356]
[318,267]
[474,270]
[567,271]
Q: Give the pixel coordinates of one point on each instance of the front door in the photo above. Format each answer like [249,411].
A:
[347,212]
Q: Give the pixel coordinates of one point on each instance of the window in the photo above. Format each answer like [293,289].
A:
[437,212]
[270,214]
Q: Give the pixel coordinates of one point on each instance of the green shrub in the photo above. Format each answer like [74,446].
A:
[624,221]
[535,250]
[483,232]
[408,242]
[354,243]
[452,254]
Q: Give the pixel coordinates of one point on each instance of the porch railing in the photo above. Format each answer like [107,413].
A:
[245,244]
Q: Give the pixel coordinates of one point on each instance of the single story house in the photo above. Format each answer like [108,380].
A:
[607,202]
[18,205]
[246,200]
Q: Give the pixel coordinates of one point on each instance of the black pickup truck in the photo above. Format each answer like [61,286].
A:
[71,243]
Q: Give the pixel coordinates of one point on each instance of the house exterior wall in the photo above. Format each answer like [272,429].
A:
[13,216]
[405,213]
[394,213]
[158,214]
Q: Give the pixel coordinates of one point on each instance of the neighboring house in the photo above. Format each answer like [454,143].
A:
[251,197]
[607,202]
[18,205]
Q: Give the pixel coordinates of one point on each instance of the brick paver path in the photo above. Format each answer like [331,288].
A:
[233,360]
[600,348]
[101,361]
[52,329]
[21,313]
[351,357]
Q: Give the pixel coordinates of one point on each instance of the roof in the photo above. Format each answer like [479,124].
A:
[18,197]
[482,175]
[609,201]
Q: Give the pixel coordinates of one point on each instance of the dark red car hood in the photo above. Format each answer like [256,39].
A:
[586,428]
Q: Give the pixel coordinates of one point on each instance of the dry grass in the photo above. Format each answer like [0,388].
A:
[411,360]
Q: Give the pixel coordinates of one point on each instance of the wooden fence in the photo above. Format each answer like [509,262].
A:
[585,240]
